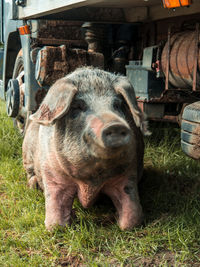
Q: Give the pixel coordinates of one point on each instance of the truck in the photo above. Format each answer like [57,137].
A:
[154,43]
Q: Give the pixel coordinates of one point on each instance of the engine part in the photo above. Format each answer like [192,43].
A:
[181,60]
[94,36]
[149,56]
[144,81]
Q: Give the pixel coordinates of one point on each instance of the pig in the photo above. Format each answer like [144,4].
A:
[86,138]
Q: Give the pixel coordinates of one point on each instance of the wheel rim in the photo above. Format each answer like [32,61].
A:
[12,98]
[19,75]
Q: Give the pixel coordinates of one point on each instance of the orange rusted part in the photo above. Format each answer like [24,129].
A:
[176,3]
[181,60]
[24,30]
[194,87]
[55,62]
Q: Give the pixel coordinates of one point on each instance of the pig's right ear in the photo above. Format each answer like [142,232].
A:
[123,87]
[56,103]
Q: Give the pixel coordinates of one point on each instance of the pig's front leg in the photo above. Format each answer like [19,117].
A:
[59,199]
[124,195]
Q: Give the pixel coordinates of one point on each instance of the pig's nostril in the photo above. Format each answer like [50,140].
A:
[123,133]
[108,133]
[115,132]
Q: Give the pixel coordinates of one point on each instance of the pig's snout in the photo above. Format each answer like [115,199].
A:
[107,132]
[115,136]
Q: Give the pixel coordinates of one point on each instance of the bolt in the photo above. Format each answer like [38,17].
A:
[20,2]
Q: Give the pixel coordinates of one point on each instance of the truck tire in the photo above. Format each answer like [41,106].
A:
[18,73]
[19,65]
[190,130]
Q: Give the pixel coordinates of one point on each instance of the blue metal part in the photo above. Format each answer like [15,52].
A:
[8,33]
[31,85]
[1,21]
[1,62]
[1,72]
[144,81]
[12,98]
[9,24]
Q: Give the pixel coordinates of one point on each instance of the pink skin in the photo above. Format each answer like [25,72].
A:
[58,203]
[60,197]
[98,151]
[96,125]
[60,189]
[128,206]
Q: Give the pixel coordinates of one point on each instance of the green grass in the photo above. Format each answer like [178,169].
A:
[169,192]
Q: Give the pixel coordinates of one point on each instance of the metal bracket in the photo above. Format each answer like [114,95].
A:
[168,59]
[20,3]
[195,67]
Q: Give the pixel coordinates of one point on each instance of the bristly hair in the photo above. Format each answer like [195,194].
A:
[87,79]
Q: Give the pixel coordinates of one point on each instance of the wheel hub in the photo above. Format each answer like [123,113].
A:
[13,98]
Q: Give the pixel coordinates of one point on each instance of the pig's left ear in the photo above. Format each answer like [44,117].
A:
[56,103]
[123,86]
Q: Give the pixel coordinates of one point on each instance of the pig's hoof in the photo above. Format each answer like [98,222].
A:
[130,223]
[51,225]
[32,183]
[127,225]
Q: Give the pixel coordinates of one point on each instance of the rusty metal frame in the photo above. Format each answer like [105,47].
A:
[195,58]
[168,58]
[177,96]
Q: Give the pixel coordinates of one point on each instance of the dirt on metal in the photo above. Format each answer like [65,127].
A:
[56,62]
[60,29]
[181,59]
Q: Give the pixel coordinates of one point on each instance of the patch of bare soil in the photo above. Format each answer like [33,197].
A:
[70,261]
[2,194]
[164,257]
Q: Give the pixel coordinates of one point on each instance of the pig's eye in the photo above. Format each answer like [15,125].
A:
[119,105]
[77,108]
